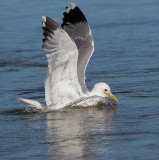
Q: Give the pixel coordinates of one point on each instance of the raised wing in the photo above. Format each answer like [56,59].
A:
[75,24]
[61,85]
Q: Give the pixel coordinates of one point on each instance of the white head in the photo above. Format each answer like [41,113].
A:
[103,90]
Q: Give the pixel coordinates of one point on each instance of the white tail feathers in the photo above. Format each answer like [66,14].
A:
[31,103]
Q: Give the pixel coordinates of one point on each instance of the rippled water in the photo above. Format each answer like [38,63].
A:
[126,35]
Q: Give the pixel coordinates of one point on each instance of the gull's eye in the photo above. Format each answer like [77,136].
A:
[106,90]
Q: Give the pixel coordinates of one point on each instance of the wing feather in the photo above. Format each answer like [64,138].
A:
[77,27]
[61,85]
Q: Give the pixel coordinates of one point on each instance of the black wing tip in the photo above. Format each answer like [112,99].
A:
[49,26]
[73,16]
[49,23]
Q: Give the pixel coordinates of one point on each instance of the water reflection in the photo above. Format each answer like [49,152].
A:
[71,132]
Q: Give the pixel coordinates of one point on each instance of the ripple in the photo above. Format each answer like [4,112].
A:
[128,23]
[27,91]
[150,70]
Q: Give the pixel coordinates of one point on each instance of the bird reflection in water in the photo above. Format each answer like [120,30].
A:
[73,132]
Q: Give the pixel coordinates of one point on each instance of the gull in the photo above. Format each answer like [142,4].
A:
[68,50]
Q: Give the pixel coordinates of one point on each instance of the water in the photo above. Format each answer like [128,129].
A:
[126,57]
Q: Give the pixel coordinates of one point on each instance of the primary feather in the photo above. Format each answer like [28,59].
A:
[77,27]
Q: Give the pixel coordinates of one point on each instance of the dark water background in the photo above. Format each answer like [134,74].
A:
[126,35]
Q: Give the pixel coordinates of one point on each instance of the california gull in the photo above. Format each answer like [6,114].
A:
[68,49]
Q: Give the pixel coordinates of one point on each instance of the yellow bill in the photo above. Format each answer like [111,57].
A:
[112,97]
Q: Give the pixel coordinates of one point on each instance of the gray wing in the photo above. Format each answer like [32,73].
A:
[61,85]
[76,25]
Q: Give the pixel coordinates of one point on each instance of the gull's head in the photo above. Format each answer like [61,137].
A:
[103,90]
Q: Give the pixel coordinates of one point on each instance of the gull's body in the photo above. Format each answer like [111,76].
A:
[68,52]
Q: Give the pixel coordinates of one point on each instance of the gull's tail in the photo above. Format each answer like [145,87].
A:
[32,104]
